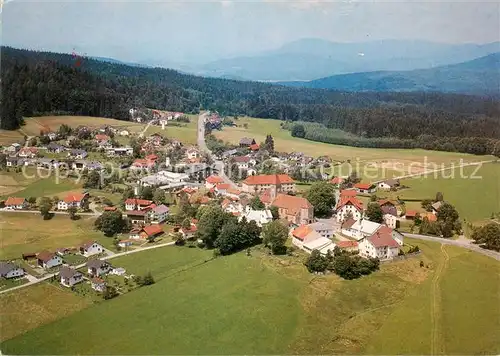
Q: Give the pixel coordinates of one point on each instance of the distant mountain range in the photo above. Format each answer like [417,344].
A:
[310,59]
[478,76]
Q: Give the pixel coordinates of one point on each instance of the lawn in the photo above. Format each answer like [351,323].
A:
[475,199]
[389,162]
[30,307]
[25,233]
[267,305]
[30,184]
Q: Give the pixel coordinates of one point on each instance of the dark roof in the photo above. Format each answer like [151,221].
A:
[348,223]
[247,141]
[67,272]
[45,256]
[97,264]
[6,267]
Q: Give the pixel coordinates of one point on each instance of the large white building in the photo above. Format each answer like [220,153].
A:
[381,244]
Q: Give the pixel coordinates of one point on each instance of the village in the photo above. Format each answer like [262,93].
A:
[156,164]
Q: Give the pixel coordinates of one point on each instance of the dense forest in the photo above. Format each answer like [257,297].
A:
[35,83]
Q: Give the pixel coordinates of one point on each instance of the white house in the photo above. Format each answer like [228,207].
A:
[98,267]
[139,204]
[10,270]
[390,220]
[261,217]
[324,229]
[119,151]
[158,214]
[307,239]
[72,200]
[349,206]
[91,248]
[69,276]
[124,133]
[388,184]
[212,181]
[365,188]
[13,203]
[243,162]
[192,153]
[379,245]
[359,229]
[126,243]
[48,259]
[98,284]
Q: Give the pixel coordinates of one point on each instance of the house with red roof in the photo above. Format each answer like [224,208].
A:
[28,152]
[188,233]
[254,147]
[365,188]
[348,245]
[76,200]
[388,207]
[276,183]
[221,188]
[411,214]
[15,203]
[48,259]
[348,206]
[308,239]
[212,181]
[150,232]
[337,181]
[381,244]
[137,204]
[102,140]
[296,210]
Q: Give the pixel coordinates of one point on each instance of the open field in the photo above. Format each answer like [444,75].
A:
[30,184]
[269,305]
[475,199]
[25,233]
[32,127]
[31,307]
[390,162]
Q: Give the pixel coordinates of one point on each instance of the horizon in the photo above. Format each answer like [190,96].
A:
[173,33]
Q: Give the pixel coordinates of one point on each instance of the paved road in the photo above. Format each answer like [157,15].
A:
[461,243]
[202,145]
[114,255]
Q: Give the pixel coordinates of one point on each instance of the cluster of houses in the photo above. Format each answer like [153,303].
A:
[96,270]
[76,200]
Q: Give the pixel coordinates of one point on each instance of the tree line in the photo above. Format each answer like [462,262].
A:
[479,145]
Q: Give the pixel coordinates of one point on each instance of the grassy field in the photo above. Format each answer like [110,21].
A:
[186,134]
[25,233]
[389,162]
[475,199]
[31,307]
[267,305]
[30,184]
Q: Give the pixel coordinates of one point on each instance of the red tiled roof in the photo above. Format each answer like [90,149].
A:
[272,179]
[97,280]
[411,213]
[234,191]
[136,213]
[350,200]
[430,217]
[223,186]
[337,180]
[363,186]
[214,180]
[45,256]
[236,213]
[151,157]
[242,159]
[73,198]
[87,244]
[15,201]
[265,197]
[110,208]
[192,228]
[348,193]
[301,232]
[348,223]
[385,201]
[383,237]
[254,147]
[140,202]
[346,244]
[100,137]
[152,230]
[291,203]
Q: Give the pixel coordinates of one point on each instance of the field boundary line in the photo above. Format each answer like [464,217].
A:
[437,346]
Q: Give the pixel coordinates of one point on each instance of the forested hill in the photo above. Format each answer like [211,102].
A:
[46,83]
[478,76]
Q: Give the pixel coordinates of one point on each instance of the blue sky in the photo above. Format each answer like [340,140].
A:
[201,31]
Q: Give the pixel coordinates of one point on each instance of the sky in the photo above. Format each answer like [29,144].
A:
[164,32]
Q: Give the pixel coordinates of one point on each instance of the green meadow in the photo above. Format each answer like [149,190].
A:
[261,304]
